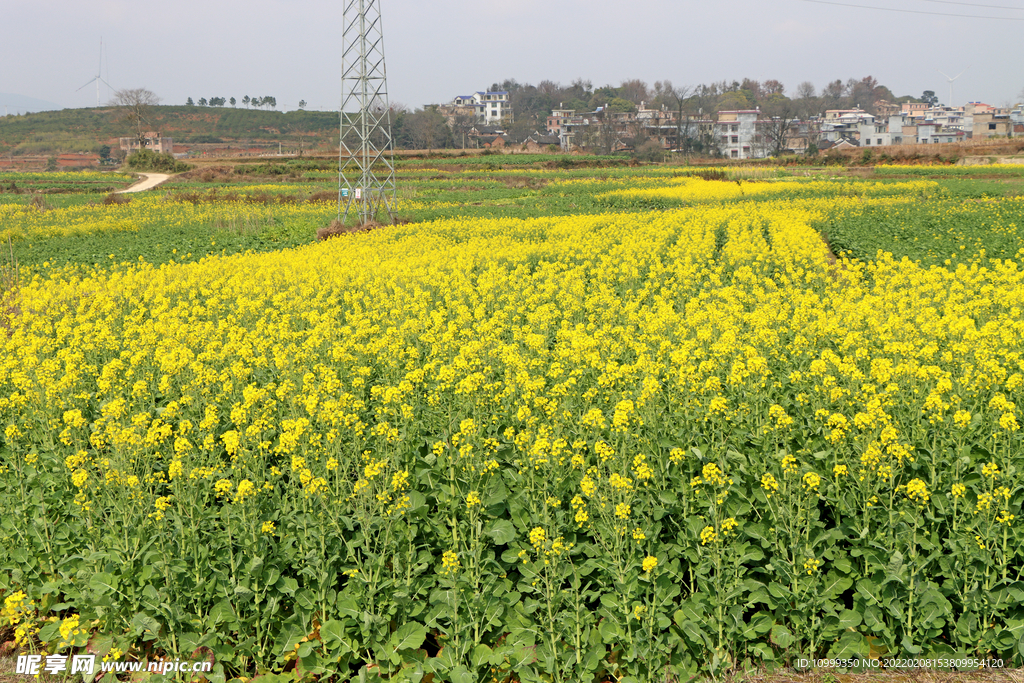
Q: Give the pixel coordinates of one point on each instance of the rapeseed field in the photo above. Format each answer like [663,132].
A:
[638,441]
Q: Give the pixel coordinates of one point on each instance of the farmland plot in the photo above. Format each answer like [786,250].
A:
[658,439]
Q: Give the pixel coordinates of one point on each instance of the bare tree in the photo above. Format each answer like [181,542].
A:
[705,99]
[833,95]
[807,103]
[135,107]
[428,128]
[634,90]
[607,135]
[598,134]
[811,129]
[772,88]
[678,97]
[774,130]
[461,124]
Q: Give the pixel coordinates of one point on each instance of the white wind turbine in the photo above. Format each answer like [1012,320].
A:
[951,84]
[98,78]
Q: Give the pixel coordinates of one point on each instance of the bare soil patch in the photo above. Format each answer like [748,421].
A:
[525,182]
[337,229]
[115,199]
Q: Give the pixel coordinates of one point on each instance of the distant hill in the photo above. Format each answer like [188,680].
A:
[74,130]
[19,104]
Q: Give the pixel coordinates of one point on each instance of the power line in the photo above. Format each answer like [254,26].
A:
[912,11]
[973,4]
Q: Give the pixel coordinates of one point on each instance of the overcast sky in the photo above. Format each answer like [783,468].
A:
[437,49]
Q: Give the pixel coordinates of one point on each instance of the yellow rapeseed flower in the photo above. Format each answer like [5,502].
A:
[917,491]
[537,537]
[222,487]
[449,562]
[789,465]
[245,489]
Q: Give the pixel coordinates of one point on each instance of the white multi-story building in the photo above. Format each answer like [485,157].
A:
[737,134]
[878,134]
[490,107]
[933,133]
[950,118]
[874,135]
[848,117]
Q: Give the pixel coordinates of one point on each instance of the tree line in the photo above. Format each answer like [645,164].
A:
[267,102]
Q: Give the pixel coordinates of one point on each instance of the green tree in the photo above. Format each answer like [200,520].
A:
[189,102]
[148,160]
[602,96]
[866,92]
[734,100]
[621,104]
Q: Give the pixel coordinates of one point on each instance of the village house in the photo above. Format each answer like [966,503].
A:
[847,116]
[878,134]
[737,133]
[990,124]
[154,143]
[558,119]
[658,124]
[914,109]
[540,143]
[484,106]
[933,133]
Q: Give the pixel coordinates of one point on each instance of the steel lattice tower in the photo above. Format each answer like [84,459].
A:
[366,167]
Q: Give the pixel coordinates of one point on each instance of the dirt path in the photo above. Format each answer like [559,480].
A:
[148,182]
